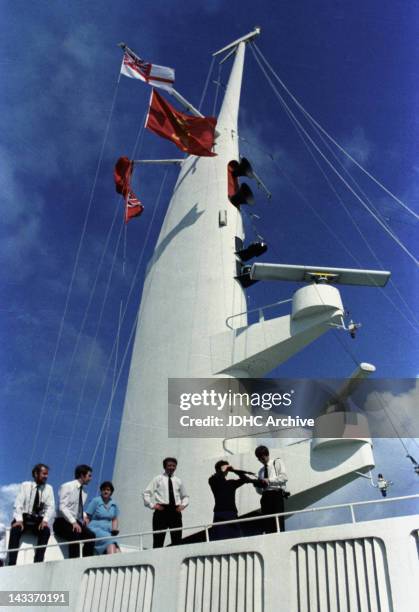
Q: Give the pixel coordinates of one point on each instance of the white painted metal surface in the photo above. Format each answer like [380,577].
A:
[374,559]
[314,300]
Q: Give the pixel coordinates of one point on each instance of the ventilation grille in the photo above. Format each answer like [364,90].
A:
[344,575]
[117,589]
[227,583]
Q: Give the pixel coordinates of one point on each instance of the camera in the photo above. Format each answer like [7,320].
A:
[32,520]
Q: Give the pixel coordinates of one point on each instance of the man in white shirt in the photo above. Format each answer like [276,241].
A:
[274,478]
[70,523]
[33,511]
[167,496]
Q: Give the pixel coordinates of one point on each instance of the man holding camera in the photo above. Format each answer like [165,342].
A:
[273,479]
[33,511]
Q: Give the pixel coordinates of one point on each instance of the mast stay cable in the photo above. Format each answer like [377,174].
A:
[90,357]
[311,118]
[361,233]
[204,92]
[108,419]
[329,163]
[122,314]
[82,326]
[358,228]
[159,197]
[330,230]
[99,320]
[333,233]
[73,274]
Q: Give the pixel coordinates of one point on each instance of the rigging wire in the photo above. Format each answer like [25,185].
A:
[108,420]
[329,163]
[73,274]
[108,411]
[217,89]
[90,357]
[333,233]
[131,289]
[384,407]
[122,315]
[301,131]
[311,118]
[204,92]
[358,229]
[139,137]
[374,254]
[398,417]
[136,148]
[79,335]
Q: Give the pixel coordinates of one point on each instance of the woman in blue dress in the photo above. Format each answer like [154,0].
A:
[102,515]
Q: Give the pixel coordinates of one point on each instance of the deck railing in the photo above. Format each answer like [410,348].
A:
[207,526]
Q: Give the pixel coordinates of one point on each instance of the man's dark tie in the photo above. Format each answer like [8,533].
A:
[35,508]
[265,471]
[80,510]
[172,502]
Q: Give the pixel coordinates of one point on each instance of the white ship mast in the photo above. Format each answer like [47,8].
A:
[190,293]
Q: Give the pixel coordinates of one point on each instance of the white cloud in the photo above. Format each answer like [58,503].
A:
[7,497]
[394,414]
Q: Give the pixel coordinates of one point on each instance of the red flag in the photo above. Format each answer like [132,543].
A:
[193,135]
[133,207]
[122,177]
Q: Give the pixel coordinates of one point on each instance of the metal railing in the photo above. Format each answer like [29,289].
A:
[207,526]
[259,309]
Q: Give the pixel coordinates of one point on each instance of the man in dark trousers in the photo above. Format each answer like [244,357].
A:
[33,511]
[70,523]
[166,495]
[224,491]
[273,478]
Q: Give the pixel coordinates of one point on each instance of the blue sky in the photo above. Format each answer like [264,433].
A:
[352,65]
